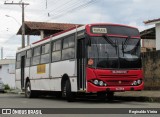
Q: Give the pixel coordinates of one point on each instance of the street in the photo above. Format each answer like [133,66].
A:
[19,101]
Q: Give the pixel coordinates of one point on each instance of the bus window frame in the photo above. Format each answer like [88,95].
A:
[35,56]
[59,50]
[69,47]
[45,53]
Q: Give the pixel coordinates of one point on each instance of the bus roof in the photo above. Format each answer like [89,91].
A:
[76,27]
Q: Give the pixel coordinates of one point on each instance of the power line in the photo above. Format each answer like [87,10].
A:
[23,25]
[73,10]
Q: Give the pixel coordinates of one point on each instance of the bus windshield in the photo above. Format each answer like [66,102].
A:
[124,54]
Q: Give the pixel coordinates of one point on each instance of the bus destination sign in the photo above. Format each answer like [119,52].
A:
[99,30]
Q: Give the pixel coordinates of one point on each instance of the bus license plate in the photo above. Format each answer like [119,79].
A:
[119,88]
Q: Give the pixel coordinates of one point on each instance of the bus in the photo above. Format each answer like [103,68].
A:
[97,59]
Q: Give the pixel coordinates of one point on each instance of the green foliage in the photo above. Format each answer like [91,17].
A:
[6,87]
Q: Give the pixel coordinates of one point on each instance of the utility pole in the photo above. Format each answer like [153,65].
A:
[1,53]
[23,25]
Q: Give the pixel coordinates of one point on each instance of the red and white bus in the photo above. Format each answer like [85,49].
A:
[95,58]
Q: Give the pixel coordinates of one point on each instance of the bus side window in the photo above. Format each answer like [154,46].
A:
[18,61]
[56,51]
[28,58]
[68,48]
[36,56]
[45,56]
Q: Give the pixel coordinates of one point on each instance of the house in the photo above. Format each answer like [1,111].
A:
[7,72]
[152,33]
[44,29]
[148,40]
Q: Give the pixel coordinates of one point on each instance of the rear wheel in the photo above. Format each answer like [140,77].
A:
[67,93]
[28,92]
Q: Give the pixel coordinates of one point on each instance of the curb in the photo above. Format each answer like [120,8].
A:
[124,98]
[138,99]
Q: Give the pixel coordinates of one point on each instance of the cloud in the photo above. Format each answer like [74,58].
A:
[129,12]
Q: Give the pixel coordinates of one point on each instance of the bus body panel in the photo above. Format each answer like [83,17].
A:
[40,84]
[94,89]
[39,78]
[55,84]
[115,81]
[58,69]
[43,71]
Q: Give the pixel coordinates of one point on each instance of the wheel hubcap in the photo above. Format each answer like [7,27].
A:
[64,91]
[28,90]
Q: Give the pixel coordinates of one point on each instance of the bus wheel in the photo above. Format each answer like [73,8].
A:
[28,92]
[110,96]
[101,96]
[69,95]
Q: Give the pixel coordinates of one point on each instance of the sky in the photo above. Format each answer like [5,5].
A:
[128,12]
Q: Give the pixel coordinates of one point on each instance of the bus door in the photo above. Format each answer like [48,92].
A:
[81,64]
[22,71]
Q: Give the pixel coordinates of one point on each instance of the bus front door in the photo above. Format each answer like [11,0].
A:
[81,63]
[22,71]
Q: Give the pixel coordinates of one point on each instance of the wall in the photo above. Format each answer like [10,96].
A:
[158,36]
[7,74]
[151,66]
[149,43]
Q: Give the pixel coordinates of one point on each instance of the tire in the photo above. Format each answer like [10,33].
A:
[101,96]
[28,92]
[110,96]
[67,93]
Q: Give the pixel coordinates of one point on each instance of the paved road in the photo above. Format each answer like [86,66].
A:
[18,101]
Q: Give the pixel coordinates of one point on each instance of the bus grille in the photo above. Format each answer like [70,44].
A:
[117,76]
[119,82]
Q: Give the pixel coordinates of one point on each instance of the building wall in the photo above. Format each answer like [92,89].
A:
[151,67]
[149,43]
[158,36]
[7,74]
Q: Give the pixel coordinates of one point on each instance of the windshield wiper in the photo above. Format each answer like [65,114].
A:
[110,42]
[124,44]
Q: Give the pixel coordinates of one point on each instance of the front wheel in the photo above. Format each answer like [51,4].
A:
[67,93]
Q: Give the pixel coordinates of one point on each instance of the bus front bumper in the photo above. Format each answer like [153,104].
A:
[91,88]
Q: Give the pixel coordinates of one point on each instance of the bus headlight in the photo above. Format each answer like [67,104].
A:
[101,83]
[137,82]
[95,82]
